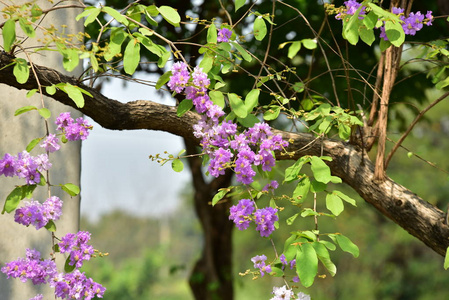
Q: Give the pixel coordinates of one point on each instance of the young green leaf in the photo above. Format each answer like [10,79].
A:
[115,14]
[260,28]
[217,98]
[302,190]
[177,165]
[367,35]
[292,219]
[184,107]
[33,144]
[293,49]
[252,100]
[51,90]
[51,226]
[334,204]
[242,52]
[249,121]
[24,109]
[9,34]
[93,14]
[115,43]
[131,56]
[163,79]
[70,58]
[207,63]
[324,257]
[272,113]
[218,196]
[68,268]
[170,15]
[73,92]
[394,32]
[321,171]
[71,189]
[345,198]
[446,259]
[309,43]
[16,195]
[237,105]
[306,264]
[212,34]
[346,245]
[45,113]
[27,27]
[239,3]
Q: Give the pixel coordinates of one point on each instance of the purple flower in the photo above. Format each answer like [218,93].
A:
[224,34]
[200,79]
[351,8]
[241,213]
[413,23]
[259,262]
[271,187]
[37,214]
[219,162]
[50,144]
[63,120]
[76,285]
[265,218]
[38,297]
[302,296]
[179,78]
[73,130]
[31,268]
[7,165]
[429,18]
[77,247]
[244,171]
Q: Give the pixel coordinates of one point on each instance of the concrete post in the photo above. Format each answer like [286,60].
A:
[15,134]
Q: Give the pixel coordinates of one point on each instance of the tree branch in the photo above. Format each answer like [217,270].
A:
[401,205]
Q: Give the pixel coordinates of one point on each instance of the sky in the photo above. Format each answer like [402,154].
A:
[116,172]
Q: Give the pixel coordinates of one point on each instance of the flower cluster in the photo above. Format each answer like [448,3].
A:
[224,35]
[292,265]
[242,215]
[76,285]
[411,24]
[77,247]
[284,293]
[74,130]
[259,263]
[32,267]
[37,214]
[25,166]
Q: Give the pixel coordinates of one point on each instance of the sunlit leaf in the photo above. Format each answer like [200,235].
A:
[184,106]
[260,28]
[131,56]
[71,189]
[237,105]
[9,34]
[170,15]
[177,165]
[306,264]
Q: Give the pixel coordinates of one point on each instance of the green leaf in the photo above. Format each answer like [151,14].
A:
[218,196]
[252,100]
[395,33]
[272,113]
[131,56]
[32,144]
[67,267]
[31,92]
[344,131]
[237,105]
[70,59]
[316,186]
[206,63]
[293,49]
[239,3]
[27,27]
[217,98]
[163,79]
[212,34]
[45,113]
[345,198]
[242,52]
[302,190]
[334,204]
[292,172]
[24,109]
[370,20]
[93,14]
[115,14]
[346,245]
[51,226]
[36,11]
[51,90]
[292,219]
[446,257]
[9,34]
[170,15]
[115,43]
[71,189]
[276,272]
[384,45]
[184,107]
[163,59]
[260,28]
[306,264]
[16,195]
[367,35]
[309,43]
[324,257]
[177,165]
[73,92]
[249,121]
[321,171]
[93,61]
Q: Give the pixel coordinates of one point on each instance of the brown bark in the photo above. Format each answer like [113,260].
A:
[412,213]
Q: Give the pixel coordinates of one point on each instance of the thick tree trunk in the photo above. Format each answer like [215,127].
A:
[211,278]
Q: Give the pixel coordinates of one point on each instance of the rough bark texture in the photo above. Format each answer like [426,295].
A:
[412,213]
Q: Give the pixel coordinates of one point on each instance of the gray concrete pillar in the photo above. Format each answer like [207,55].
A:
[15,134]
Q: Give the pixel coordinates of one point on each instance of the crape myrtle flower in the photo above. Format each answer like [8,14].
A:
[77,247]
[76,285]
[259,263]
[37,214]
[302,296]
[282,293]
[74,130]
[32,267]
[180,77]
[265,218]
[25,166]
[38,297]
[241,213]
[50,143]
[224,34]
[351,8]
[271,186]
